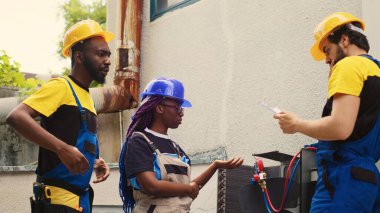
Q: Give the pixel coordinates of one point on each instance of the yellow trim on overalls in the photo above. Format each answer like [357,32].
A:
[61,196]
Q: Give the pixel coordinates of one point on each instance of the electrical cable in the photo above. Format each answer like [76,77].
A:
[291,179]
[266,203]
[286,186]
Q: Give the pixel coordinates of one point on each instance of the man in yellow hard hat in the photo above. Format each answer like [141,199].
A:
[69,150]
[348,133]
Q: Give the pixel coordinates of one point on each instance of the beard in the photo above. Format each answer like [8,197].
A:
[339,54]
[93,71]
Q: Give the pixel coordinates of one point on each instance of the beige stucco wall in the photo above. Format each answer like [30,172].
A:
[231,55]
[372,19]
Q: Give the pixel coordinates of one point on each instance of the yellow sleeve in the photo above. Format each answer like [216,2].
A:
[347,77]
[49,97]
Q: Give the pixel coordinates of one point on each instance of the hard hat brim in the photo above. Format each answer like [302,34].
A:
[316,52]
[186,104]
[108,36]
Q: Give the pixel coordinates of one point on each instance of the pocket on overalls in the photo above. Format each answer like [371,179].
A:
[61,197]
[364,182]
[90,148]
[358,188]
[364,175]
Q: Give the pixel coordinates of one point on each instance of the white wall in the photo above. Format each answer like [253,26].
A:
[230,55]
[372,19]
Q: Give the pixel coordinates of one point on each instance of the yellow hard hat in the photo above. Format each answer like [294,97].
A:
[81,31]
[326,27]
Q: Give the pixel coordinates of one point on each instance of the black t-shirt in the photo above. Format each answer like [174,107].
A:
[139,155]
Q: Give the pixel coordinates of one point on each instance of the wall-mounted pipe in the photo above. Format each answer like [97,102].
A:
[124,94]
[128,66]
[107,99]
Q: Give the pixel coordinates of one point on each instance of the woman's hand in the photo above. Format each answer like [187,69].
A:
[229,164]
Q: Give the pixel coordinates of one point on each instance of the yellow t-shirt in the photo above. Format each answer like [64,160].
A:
[349,75]
[56,93]
[357,76]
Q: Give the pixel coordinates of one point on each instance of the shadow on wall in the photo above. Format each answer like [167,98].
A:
[15,150]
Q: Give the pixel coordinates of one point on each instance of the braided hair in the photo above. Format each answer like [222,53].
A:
[140,120]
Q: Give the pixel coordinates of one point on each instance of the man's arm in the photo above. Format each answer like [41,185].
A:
[338,126]
[22,120]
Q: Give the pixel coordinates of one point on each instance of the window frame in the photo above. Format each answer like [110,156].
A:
[156,14]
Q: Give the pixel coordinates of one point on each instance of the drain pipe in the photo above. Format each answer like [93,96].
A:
[128,66]
[128,63]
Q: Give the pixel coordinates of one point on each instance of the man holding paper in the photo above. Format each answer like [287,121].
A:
[348,133]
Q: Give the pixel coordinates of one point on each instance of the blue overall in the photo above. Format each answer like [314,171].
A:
[87,143]
[348,179]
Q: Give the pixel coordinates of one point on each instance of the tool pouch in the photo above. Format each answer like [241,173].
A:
[43,207]
[50,199]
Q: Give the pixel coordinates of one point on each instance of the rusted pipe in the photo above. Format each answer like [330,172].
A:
[124,94]
[111,99]
[128,64]
[123,11]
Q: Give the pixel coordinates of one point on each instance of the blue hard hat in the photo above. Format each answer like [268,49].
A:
[166,87]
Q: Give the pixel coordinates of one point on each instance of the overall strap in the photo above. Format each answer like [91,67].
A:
[150,143]
[82,112]
[372,59]
[178,149]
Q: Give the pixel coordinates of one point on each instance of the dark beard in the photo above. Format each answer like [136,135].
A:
[93,71]
[339,54]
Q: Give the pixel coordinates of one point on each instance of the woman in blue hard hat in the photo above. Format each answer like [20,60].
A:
[154,170]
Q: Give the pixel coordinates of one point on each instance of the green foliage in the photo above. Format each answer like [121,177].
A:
[29,87]
[10,76]
[9,71]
